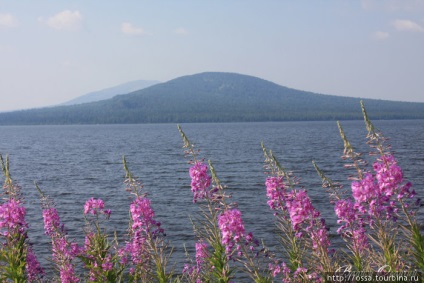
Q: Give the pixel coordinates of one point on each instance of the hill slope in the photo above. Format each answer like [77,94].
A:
[111,92]
[215,97]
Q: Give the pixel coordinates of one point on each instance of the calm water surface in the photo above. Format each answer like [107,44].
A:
[74,163]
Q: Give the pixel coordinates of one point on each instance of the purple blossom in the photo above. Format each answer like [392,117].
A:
[51,220]
[143,228]
[353,226]
[300,208]
[142,215]
[232,228]
[200,180]
[12,217]
[107,264]
[275,191]
[201,253]
[319,237]
[63,251]
[404,191]
[137,250]
[364,190]
[275,269]
[67,274]
[303,216]
[388,174]
[95,207]
[33,269]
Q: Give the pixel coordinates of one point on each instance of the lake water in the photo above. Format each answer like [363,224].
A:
[74,163]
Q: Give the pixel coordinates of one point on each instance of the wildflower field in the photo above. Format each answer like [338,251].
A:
[377,221]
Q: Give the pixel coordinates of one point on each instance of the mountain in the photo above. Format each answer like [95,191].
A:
[111,92]
[215,97]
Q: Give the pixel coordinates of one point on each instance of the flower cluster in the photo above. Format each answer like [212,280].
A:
[12,218]
[201,253]
[193,271]
[300,208]
[299,275]
[390,177]
[304,217]
[142,215]
[388,174]
[353,224]
[51,221]
[95,207]
[136,249]
[232,229]
[63,251]
[144,228]
[365,190]
[275,191]
[33,269]
[200,180]
[374,195]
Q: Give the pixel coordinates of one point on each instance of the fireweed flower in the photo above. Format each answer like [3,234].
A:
[365,189]
[371,199]
[232,229]
[300,208]
[96,206]
[389,179]
[142,215]
[137,250]
[200,180]
[374,194]
[12,217]
[353,224]
[13,227]
[275,191]
[275,269]
[193,271]
[51,221]
[304,215]
[63,251]
[33,269]
[143,229]
[388,174]
[201,253]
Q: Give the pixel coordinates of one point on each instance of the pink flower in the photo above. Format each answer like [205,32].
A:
[275,269]
[300,208]
[107,264]
[143,227]
[232,228]
[352,227]
[137,250]
[364,190]
[142,214]
[200,180]
[275,191]
[51,220]
[388,174]
[67,274]
[93,206]
[201,253]
[33,268]
[12,217]
[63,251]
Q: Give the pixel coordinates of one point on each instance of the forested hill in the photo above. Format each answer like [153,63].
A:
[215,97]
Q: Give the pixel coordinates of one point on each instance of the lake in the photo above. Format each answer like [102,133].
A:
[74,163]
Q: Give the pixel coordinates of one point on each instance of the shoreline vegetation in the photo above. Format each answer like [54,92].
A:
[377,220]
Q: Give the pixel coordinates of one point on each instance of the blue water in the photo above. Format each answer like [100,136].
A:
[74,163]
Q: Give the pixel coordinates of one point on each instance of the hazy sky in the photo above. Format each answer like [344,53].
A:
[54,51]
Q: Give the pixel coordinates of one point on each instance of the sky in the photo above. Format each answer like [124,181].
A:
[54,51]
